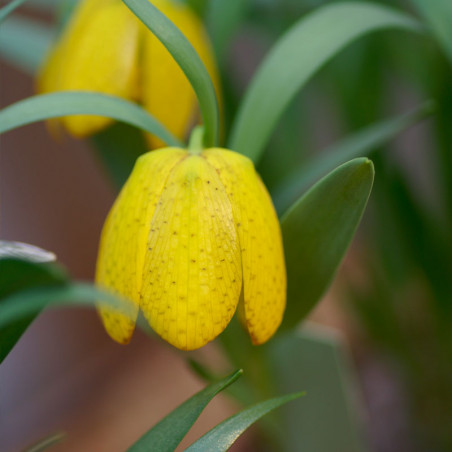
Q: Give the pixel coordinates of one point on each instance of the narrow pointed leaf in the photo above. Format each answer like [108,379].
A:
[169,432]
[9,8]
[223,436]
[66,103]
[186,57]
[438,14]
[46,443]
[21,304]
[360,144]
[296,57]
[317,231]
[24,251]
[24,43]
[18,275]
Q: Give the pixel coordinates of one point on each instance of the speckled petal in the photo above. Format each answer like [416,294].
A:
[166,92]
[192,276]
[97,52]
[264,274]
[125,235]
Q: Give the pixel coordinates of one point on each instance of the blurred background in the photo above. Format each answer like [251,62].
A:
[391,301]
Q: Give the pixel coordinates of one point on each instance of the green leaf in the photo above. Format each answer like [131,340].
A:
[17,275]
[24,303]
[189,61]
[356,145]
[328,418]
[296,57]
[119,146]
[223,436]
[46,443]
[66,103]
[24,43]
[169,432]
[9,8]
[24,251]
[438,14]
[317,231]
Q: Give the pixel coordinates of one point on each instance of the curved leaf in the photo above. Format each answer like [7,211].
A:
[28,302]
[66,103]
[18,275]
[9,8]
[47,442]
[223,436]
[356,145]
[189,61]
[317,231]
[304,49]
[438,14]
[169,432]
[25,251]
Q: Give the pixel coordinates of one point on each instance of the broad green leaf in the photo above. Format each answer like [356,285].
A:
[189,61]
[169,432]
[223,19]
[46,443]
[357,145]
[66,103]
[30,253]
[317,231]
[118,147]
[438,14]
[24,43]
[328,417]
[9,8]
[21,304]
[18,275]
[296,57]
[223,436]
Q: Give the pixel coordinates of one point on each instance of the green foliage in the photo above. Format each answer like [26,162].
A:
[223,436]
[188,60]
[296,57]
[16,276]
[327,417]
[170,431]
[438,14]
[9,8]
[46,443]
[21,304]
[317,231]
[359,144]
[65,103]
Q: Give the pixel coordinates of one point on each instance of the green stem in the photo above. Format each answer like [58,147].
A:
[196,143]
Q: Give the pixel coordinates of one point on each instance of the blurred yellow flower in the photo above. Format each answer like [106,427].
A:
[105,48]
[189,234]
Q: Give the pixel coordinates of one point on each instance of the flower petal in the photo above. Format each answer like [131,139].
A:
[125,234]
[264,273]
[97,52]
[166,92]
[192,275]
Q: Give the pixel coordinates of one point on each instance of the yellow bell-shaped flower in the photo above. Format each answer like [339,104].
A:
[188,234]
[105,48]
